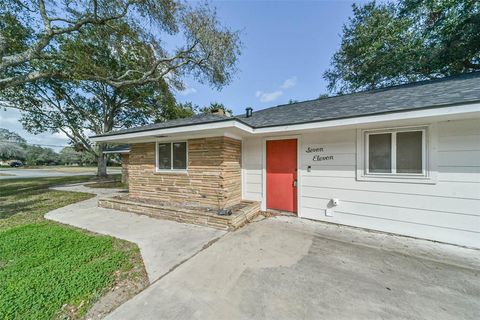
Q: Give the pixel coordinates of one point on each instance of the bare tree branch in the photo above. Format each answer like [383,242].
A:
[30,77]
[50,33]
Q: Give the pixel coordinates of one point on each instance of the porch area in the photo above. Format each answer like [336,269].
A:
[241,213]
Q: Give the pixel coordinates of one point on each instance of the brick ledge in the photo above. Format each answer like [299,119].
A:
[197,216]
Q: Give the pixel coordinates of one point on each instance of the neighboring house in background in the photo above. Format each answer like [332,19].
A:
[123,150]
[404,159]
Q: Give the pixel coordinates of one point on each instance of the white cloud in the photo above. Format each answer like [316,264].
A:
[268,96]
[271,96]
[289,83]
[187,91]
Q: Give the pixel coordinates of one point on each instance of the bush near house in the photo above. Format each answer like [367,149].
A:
[48,270]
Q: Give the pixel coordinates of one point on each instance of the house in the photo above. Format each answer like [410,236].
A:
[403,160]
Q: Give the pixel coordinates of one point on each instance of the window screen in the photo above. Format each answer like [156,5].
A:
[409,152]
[179,155]
[164,156]
[380,153]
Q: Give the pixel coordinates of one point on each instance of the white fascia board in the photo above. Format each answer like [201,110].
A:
[109,152]
[414,114]
[356,121]
[166,131]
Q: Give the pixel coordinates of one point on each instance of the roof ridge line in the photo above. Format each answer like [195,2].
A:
[415,83]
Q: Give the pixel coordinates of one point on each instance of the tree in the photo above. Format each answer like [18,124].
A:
[69,156]
[214,106]
[85,109]
[36,155]
[12,145]
[46,40]
[407,40]
[11,151]
[80,108]
[175,111]
[10,136]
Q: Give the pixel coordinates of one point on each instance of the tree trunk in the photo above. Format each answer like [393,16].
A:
[101,162]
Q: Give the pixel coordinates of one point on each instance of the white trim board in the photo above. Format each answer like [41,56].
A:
[454,111]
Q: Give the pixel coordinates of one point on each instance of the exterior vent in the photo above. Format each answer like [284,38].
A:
[248,112]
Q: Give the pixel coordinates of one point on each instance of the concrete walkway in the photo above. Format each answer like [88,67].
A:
[289,268]
[163,244]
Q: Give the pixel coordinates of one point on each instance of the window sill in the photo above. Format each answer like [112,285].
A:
[398,179]
[157,171]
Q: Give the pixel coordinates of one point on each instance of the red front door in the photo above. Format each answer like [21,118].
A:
[282,175]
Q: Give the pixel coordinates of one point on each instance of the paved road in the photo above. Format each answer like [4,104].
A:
[39,173]
[287,268]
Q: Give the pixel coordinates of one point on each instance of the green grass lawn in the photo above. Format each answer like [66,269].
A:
[48,270]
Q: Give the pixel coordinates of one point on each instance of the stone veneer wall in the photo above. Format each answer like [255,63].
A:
[125,158]
[213,177]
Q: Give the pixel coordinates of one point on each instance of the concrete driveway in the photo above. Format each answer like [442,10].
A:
[163,244]
[288,268]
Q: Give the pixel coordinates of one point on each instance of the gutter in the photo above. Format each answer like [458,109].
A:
[457,108]
[153,129]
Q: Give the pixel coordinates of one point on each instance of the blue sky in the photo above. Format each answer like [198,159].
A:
[287,45]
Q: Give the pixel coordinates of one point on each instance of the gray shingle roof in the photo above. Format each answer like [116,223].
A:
[419,95]
[197,119]
[424,94]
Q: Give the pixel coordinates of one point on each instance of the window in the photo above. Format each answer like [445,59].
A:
[172,156]
[380,153]
[396,152]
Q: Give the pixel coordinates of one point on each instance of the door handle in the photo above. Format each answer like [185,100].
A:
[295,183]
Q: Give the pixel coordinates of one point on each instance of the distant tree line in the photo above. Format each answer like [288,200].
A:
[14,147]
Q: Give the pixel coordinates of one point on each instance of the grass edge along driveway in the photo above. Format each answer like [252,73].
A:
[49,270]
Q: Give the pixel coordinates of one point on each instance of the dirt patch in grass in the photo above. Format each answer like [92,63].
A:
[108,184]
[6,174]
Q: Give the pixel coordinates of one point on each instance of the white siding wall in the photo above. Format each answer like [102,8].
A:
[252,169]
[447,211]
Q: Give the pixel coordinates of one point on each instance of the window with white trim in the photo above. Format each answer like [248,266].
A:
[396,152]
[171,156]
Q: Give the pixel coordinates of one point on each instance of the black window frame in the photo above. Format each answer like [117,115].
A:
[171,169]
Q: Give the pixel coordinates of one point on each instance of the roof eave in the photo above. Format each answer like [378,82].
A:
[458,110]
[116,151]
[190,128]
[428,112]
